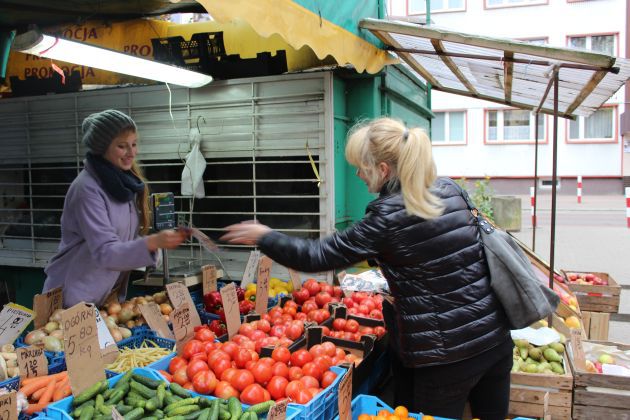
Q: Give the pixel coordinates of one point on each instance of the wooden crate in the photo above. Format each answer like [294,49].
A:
[596,325]
[527,393]
[564,311]
[596,298]
[599,396]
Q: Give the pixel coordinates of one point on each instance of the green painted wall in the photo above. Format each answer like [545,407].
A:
[23,283]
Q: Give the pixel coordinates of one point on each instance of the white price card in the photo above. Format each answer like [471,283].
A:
[14,319]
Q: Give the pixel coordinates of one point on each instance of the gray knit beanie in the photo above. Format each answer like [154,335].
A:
[101,128]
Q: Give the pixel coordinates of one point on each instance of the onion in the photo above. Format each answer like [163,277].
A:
[159,297]
[51,326]
[126,333]
[141,301]
[130,324]
[136,311]
[56,316]
[166,309]
[125,315]
[148,298]
[113,308]
[35,337]
[110,322]
[57,334]
[126,306]
[116,334]
[52,344]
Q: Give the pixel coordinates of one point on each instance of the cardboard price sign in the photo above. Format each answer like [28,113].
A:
[152,314]
[178,294]
[209,279]
[8,406]
[108,346]
[83,352]
[578,349]
[182,326]
[230,306]
[45,304]
[249,275]
[14,319]
[345,395]
[295,279]
[32,362]
[262,287]
[278,411]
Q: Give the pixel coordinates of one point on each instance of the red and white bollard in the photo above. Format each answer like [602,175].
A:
[579,189]
[628,205]
[532,200]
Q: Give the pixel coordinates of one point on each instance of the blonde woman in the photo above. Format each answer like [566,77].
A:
[449,337]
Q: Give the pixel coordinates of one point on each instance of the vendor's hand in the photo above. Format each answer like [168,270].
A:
[166,239]
[246,233]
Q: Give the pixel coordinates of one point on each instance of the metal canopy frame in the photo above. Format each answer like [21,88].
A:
[466,65]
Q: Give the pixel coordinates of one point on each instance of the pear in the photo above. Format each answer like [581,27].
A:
[557,368]
[552,356]
[535,353]
[558,347]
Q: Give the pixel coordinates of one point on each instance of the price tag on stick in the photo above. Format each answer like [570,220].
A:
[182,326]
[178,294]
[345,395]
[278,411]
[230,306]
[32,362]
[251,268]
[262,287]
[45,304]
[8,406]
[14,319]
[152,314]
[295,279]
[83,352]
[578,349]
[209,279]
[116,415]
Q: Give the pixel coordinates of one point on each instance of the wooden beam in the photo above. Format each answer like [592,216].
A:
[439,48]
[519,47]
[586,90]
[508,70]
[387,39]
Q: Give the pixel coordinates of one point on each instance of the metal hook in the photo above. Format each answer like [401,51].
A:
[204,121]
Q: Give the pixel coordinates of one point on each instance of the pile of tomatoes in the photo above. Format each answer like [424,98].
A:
[234,369]
[350,329]
[364,304]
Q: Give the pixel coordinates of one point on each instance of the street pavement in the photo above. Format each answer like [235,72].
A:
[591,236]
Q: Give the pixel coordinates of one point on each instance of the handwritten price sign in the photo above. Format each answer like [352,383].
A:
[45,304]
[32,362]
[278,411]
[230,306]
[83,352]
[262,288]
[182,326]
[345,396]
[8,406]
[251,268]
[209,278]
[152,314]
[179,294]
[14,319]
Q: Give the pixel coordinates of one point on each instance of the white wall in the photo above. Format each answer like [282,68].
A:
[556,21]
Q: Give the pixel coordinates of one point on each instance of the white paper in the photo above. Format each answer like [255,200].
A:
[615,370]
[368,281]
[203,239]
[104,336]
[538,337]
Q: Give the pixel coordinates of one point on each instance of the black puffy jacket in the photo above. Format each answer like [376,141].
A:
[444,307]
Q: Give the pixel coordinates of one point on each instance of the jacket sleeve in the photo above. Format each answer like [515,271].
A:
[341,249]
[107,248]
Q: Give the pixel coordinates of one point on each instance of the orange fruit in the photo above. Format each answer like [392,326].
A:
[427,418]
[401,411]
[379,418]
[384,413]
[393,417]
[364,417]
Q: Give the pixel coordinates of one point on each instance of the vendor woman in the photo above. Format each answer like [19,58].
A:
[105,217]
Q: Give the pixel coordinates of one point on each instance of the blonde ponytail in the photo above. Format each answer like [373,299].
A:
[408,154]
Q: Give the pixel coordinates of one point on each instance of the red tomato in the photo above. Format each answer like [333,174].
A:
[241,357]
[300,316]
[312,369]
[177,363]
[322,298]
[228,374]
[323,362]
[317,350]
[312,286]
[192,347]
[309,381]
[180,377]
[301,357]
[230,348]
[208,346]
[246,329]
[326,288]
[262,372]
[264,326]
[199,356]
[241,379]
[277,386]
[339,324]
[293,388]
[280,369]
[189,386]
[376,314]
[290,310]
[225,390]
[195,366]
[204,334]
[253,394]
[295,330]
[220,366]
[277,331]
[295,373]
[303,396]
[351,326]
[166,375]
[216,355]
[328,378]
[281,354]
[379,331]
[309,306]
[204,382]
[329,348]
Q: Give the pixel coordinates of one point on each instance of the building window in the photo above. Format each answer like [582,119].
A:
[449,128]
[601,43]
[535,41]
[599,126]
[513,126]
[491,4]
[419,7]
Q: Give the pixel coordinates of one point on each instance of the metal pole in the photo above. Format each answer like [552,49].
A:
[554,175]
[535,184]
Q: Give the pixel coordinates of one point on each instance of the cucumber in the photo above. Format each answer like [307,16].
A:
[77,411]
[124,380]
[88,394]
[204,414]
[145,391]
[135,414]
[87,413]
[170,399]
[261,408]
[151,405]
[214,410]
[224,414]
[182,410]
[148,382]
[123,409]
[107,393]
[185,401]
[178,390]
[194,415]
[117,395]
[159,414]
[161,394]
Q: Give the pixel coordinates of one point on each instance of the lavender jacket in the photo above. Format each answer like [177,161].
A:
[99,244]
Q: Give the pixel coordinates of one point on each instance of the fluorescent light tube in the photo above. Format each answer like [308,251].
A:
[35,43]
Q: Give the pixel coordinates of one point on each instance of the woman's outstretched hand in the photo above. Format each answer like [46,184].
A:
[245,233]
[166,239]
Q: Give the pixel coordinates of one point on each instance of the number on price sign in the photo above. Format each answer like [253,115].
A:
[278,411]
[32,362]
[8,406]
[45,304]
[209,278]
[178,294]
[345,396]
[83,352]
[230,306]
[14,319]
[182,326]
[152,314]
[262,288]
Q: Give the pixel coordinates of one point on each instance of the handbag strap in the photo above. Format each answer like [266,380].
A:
[482,223]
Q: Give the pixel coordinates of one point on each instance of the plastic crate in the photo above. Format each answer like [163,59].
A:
[136,341]
[54,366]
[60,410]
[372,405]
[53,356]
